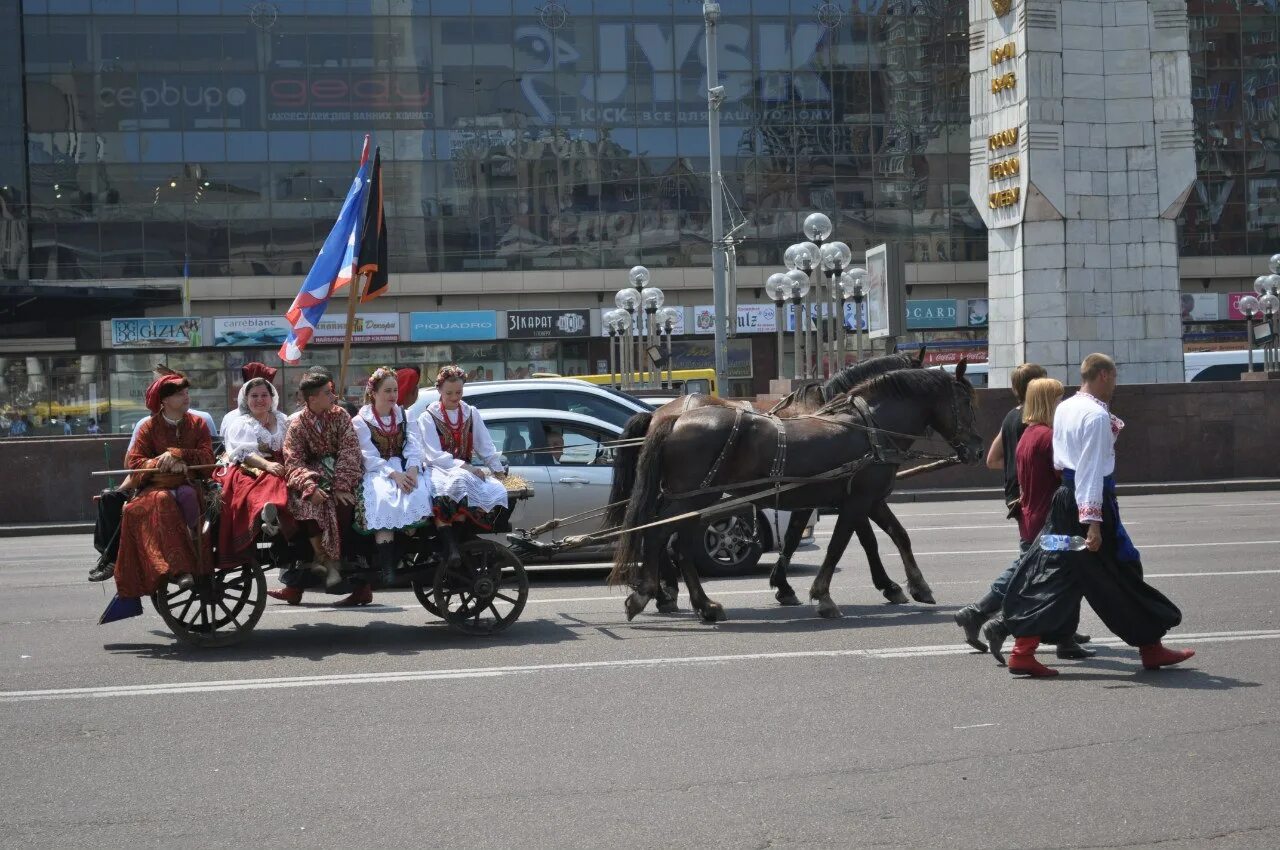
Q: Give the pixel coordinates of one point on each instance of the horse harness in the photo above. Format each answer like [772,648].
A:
[881,452]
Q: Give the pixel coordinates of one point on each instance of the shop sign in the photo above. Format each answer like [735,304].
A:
[1200,307]
[453,326]
[752,319]
[952,356]
[250,331]
[694,354]
[979,310]
[931,313]
[824,310]
[156,332]
[539,324]
[1233,306]
[677,330]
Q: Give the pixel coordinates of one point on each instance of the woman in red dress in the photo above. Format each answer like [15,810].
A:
[254,494]
[323,467]
[159,537]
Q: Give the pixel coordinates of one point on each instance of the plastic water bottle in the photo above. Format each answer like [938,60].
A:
[1062,543]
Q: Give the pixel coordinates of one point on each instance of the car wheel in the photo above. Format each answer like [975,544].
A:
[728,547]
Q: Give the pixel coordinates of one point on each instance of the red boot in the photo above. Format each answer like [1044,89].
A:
[1156,655]
[362,595]
[1022,661]
[292,595]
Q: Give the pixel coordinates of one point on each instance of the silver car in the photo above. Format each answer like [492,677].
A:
[577,479]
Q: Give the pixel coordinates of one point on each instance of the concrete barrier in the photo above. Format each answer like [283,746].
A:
[46,479]
[1173,432]
[1211,431]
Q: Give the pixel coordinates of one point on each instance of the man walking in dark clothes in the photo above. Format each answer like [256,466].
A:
[1043,599]
[1002,455]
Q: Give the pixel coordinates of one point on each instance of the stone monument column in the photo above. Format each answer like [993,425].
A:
[1081,157]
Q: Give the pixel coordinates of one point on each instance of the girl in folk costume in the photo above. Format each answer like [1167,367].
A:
[254,494]
[158,534]
[1044,596]
[322,469]
[451,431]
[392,495]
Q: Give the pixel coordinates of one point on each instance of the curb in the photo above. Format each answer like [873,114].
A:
[43,529]
[1154,489]
[967,494]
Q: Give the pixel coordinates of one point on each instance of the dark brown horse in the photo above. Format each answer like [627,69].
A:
[697,454]
[805,400]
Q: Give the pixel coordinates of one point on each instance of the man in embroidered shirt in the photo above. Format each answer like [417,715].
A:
[1045,593]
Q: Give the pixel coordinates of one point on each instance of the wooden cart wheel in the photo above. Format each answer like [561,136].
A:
[427,596]
[486,593]
[220,609]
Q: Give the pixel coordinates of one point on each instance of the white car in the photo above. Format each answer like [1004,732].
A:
[579,478]
[565,394]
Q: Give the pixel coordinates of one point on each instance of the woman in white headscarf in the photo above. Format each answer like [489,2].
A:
[254,495]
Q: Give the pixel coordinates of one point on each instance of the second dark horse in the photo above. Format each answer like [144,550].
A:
[805,400]
[681,454]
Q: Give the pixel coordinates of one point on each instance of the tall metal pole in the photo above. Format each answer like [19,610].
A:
[715,96]
[837,304]
[613,360]
[779,321]
[798,336]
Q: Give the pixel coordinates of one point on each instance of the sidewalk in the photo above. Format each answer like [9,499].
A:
[995,494]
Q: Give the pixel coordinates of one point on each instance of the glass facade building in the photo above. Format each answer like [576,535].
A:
[139,138]
[536,134]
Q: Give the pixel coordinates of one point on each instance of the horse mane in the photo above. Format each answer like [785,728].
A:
[902,383]
[850,377]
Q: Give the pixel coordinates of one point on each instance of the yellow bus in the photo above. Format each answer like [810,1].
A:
[681,381]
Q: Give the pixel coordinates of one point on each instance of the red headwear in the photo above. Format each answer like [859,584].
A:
[407,378]
[249,371]
[166,384]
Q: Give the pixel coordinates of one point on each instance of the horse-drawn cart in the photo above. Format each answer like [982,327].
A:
[482,595]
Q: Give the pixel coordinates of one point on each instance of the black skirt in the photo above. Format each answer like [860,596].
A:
[1044,595]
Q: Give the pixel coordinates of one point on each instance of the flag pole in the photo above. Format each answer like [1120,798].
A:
[353,296]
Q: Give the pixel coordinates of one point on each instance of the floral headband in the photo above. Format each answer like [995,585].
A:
[450,373]
[375,380]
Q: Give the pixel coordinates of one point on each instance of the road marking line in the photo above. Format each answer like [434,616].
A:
[176,688]
[561,600]
[976,726]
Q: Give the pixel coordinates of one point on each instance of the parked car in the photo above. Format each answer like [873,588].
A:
[565,394]
[578,479]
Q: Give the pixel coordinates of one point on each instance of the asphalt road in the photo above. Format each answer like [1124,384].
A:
[379,727]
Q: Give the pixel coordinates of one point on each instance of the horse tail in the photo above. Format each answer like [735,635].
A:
[643,506]
[625,459]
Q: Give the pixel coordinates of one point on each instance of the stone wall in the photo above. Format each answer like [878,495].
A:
[48,480]
[1173,432]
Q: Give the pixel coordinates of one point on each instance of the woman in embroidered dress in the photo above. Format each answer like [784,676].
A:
[392,495]
[1044,596]
[322,468]
[451,431]
[254,494]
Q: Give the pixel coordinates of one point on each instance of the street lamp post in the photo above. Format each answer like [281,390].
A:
[853,285]
[651,298]
[802,258]
[817,229]
[835,259]
[667,324]
[629,301]
[799,288]
[777,287]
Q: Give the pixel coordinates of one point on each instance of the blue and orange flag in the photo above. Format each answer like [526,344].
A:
[335,266]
